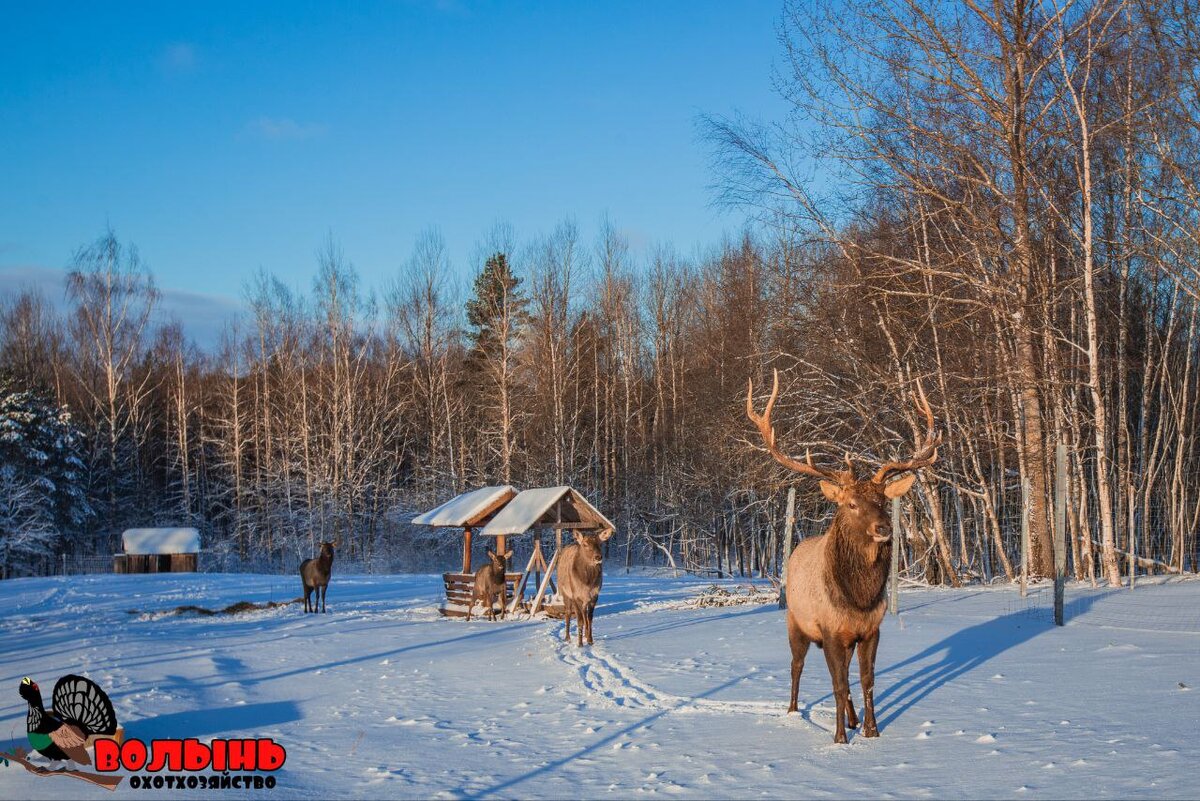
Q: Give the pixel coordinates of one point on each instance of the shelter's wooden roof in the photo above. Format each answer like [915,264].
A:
[469,509]
[546,507]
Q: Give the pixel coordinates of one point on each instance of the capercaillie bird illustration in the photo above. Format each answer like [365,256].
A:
[80,710]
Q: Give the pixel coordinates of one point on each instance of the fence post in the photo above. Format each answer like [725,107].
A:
[1024,536]
[1060,530]
[789,521]
[1134,519]
[894,599]
[64,560]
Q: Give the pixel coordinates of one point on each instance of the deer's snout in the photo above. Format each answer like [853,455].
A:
[881,531]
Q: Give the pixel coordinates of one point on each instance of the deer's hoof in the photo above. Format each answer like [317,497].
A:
[870,731]
[840,738]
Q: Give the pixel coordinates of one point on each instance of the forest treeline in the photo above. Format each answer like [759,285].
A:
[1001,203]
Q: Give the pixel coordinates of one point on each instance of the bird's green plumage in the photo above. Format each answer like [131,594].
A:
[39,740]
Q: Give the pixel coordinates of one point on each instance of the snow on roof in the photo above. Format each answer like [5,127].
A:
[468,508]
[531,506]
[160,540]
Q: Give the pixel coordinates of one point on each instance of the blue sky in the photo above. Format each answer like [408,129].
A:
[224,137]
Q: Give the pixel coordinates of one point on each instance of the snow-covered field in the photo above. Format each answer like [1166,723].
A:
[978,694]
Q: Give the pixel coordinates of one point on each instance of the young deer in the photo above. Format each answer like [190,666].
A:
[314,575]
[836,582]
[580,574]
[490,582]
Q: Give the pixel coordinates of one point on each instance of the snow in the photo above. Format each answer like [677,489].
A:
[978,694]
[160,540]
[462,510]
[527,509]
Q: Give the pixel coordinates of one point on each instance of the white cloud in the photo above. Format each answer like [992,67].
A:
[280,128]
[202,315]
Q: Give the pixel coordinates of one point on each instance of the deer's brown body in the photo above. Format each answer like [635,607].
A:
[580,576]
[836,588]
[314,575]
[836,582]
[489,583]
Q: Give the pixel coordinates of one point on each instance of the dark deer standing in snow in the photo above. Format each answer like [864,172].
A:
[836,582]
[580,574]
[314,574]
[490,582]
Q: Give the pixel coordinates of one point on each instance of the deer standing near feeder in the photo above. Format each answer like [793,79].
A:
[490,582]
[836,582]
[314,575]
[580,574]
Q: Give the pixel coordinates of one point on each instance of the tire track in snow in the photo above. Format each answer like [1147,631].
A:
[604,676]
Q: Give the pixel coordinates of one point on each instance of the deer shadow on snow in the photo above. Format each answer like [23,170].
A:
[960,653]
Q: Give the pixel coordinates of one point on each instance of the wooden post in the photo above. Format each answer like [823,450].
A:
[467,535]
[501,544]
[519,589]
[536,560]
[1060,531]
[1133,521]
[788,522]
[894,598]
[1024,536]
[537,601]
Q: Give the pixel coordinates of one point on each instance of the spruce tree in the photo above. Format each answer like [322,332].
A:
[496,314]
[42,476]
[497,310]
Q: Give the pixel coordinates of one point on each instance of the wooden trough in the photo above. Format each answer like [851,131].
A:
[502,512]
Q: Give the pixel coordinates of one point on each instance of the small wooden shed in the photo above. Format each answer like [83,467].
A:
[558,508]
[158,550]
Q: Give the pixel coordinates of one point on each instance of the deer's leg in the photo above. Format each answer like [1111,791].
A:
[503,600]
[799,645]
[307,594]
[591,613]
[837,658]
[566,621]
[866,673]
[851,712]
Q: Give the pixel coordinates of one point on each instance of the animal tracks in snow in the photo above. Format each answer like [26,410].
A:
[603,676]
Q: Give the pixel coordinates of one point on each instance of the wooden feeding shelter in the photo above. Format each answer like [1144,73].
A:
[158,550]
[558,508]
[469,512]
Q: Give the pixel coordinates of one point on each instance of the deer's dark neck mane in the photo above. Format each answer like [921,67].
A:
[851,579]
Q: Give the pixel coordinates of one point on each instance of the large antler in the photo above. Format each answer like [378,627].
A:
[926,449]
[767,431]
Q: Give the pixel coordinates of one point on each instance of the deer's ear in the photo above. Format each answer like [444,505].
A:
[508,554]
[897,488]
[490,554]
[604,535]
[833,491]
[579,537]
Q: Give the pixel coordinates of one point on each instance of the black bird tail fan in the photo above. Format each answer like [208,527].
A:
[82,701]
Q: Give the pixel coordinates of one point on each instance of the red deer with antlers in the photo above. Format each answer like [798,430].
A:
[836,582]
